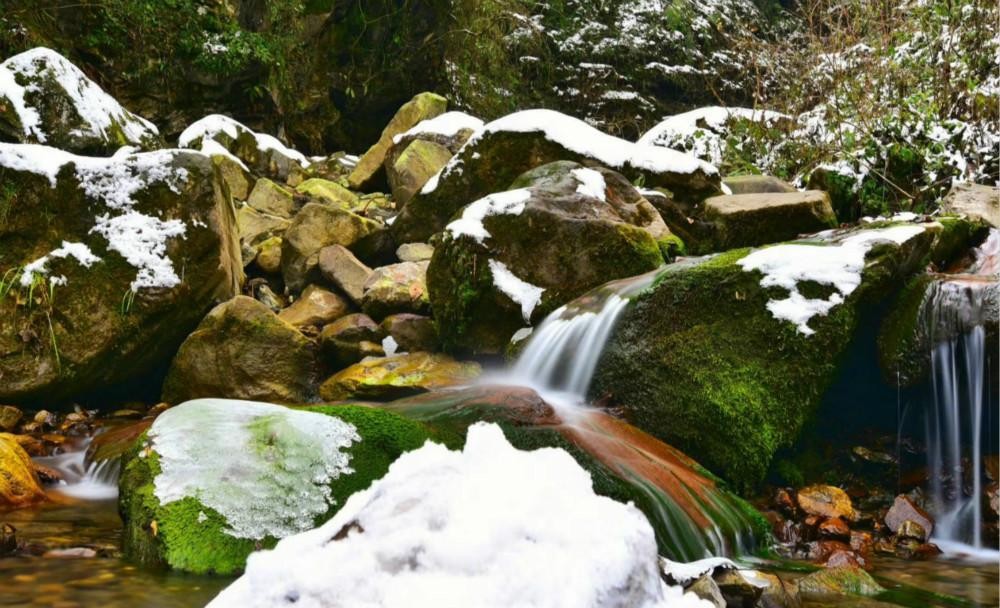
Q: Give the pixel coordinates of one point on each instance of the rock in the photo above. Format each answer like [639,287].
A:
[756,184]
[129,255]
[415,252]
[393,377]
[330,193]
[235,175]
[243,350]
[903,509]
[976,201]
[246,474]
[8,540]
[259,153]
[911,529]
[774,594]
[847,580]
[18,484]
[269,255]
[411,332]
[409,170]
[45,99]
[913,549]
[9,417]
[339,266]
[513,257]
[862,543]
[992,492]
[396,288]
[421,107]
[316,306]
[706,589]
[317,226]
[834,527]
[745,220]
[263,293]
[256,227]
[825,501]
[70,553]
[701,361]
[271,199]
[841,559]
[736,590]
[511,145]
[350,339]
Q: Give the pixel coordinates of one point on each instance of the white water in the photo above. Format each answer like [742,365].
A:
[93,481]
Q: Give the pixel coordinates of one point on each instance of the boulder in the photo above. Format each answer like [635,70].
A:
[726,357]
[825,501]
[329,192]
[509,146]
[512,257]
[271,199]
[235,175]
[256,227]
[421,107]
[904,510]
[9,417]
[317,226]
[268,257]
[106,265]
[18,484]
[415,252]
[417,162]
[339,266]
[242,350]
[315,307]
[213,480]
[743,220]
[411,332]
[350,339]
[756,184]
[45,99]
[260,153]
[844,580]
[396,288]
[975,201]
[398,376]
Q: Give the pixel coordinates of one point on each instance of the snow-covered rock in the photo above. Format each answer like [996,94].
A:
[490,526]
[261,153]
[45,99]
[702,132]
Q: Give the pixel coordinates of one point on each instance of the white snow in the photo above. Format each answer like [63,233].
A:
[683,574]
[79,251]
[591,183]
[837,264]
[265,468]
[490,527]
[213,125]
[470,224]
[525,294]
[389,346]
[142,240]
[701,131]
[98,110]
[40,160]
[448,124]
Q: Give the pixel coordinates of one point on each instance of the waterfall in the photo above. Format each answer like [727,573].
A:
[954,314]
[82,479]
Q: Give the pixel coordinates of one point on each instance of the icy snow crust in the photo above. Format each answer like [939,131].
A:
[490,526]
[207,129]
[263,467]
[525,294]
[98,110]
[837,264]
[447,124]
[579,137]
[471,225]
[141,239]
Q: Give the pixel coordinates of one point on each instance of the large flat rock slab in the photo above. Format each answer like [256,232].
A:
[746,220]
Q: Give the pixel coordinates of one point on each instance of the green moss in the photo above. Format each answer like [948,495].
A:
[671,246]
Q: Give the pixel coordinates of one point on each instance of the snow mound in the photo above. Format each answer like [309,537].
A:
[837,264]
[490,526]
[702,132]
[205,135]
[263,467]
[448,124]
[22,75]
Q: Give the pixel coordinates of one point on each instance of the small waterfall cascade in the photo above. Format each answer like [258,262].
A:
[961,419]
[83,479]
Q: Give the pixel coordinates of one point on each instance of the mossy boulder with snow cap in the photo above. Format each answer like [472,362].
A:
[45,99]
[106,265]
[726,357]
[512,257]
[509,146]
[260,153]
[214,479]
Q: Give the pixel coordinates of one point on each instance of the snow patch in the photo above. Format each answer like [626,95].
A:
[265,468]
[78,251]
[213,125]
[523,293]
[591,183]
[701,132]
[471,225]
[490,526]
[389,346]
[448,124]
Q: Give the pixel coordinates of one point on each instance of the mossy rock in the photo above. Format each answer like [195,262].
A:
[398,376]
[844,580]
[747,220]
[187,535]
[700,362]
[18,484]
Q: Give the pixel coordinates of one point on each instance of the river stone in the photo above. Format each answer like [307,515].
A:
[415,252]
[350,339]
[9,417]
[845,580]
[408,171]
[271,199]
[825,501]
[18,483]
[756,184]
[329,192]
[517,143]
[241,475]
[45,99]
[242,350]
[976,201]
[317,226]
[700,361]
[549,240]
[99,317]
[421,107]
[411,332]
[396,288]
[316,307]
[756,219]
[397,376]
[339,266]
[905,510]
